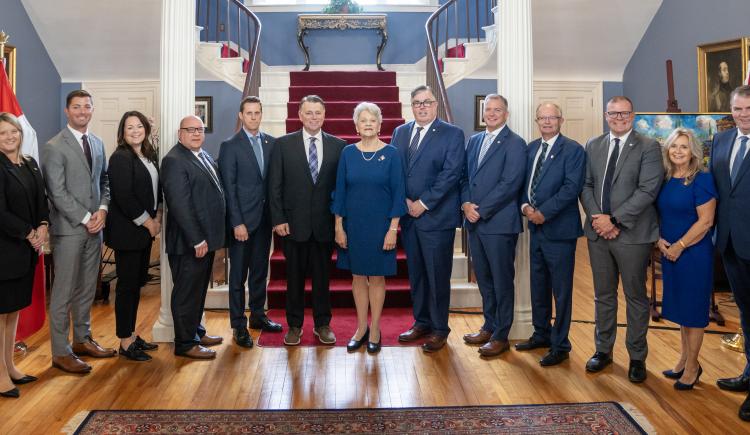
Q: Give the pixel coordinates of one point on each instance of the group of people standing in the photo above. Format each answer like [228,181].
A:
[317,193]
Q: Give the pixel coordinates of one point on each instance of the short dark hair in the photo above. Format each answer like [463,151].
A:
[76,94]
[147,148]
[311,99]
[421,88]
[617,98]
[250,99]
[742,91]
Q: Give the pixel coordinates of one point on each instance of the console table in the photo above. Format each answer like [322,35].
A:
[307,22]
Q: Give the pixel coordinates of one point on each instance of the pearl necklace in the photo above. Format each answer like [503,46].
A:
[373,153]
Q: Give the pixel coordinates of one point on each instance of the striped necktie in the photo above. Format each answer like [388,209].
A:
[485,147]
[313,160]
[537,174]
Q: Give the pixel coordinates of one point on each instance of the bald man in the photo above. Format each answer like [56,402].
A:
[194,231]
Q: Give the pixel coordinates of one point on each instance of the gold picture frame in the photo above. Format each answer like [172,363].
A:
[722,66]
[9,55]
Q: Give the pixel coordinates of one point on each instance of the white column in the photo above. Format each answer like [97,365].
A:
[177,82]
[515,66]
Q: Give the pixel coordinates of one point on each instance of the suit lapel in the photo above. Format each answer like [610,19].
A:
[301,156]
[71,141]
[493,148]
[328,155]
[633,140]
[266,145]
[549,160]
[471,155]
[14,172]
[192,158]
[249,150]
[745,164]
[431,133]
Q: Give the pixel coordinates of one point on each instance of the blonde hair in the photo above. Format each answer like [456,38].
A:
[12,120]
[696,153]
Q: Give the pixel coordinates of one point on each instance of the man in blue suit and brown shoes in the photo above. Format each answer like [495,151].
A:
[730,166]
[432,152]
[554,179]
[490,196]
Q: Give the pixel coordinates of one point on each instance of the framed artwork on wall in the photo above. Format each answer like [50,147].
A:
[9,56]
[479,124]
[722,66]
[204,109]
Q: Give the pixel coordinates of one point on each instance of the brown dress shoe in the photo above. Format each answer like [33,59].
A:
[480,337]
[198,352]
[494,348]
[211,340]
[71,364]
[434,343]
[412,334]
[92,348]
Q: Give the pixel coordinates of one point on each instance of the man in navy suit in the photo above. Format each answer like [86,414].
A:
[555,172]
[243,161]
[490,196]
[729,166]
[432,152]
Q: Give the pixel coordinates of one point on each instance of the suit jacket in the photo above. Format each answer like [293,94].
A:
[245,187]
[132,196]
[73,188]
[434,173]
[293,197]
[637,178]
[733,212]
[196,208]
[495,184]
[558,187]
[21,210]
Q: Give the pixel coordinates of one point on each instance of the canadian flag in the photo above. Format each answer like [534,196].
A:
[31,318]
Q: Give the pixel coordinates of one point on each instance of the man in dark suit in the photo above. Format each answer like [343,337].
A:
[194,231]
[624,172]
[490,196]
[244,161]
[432,152]
[729,166]
[301,178]
[554,179]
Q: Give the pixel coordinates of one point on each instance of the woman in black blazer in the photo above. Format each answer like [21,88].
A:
[134,219]
[24,219]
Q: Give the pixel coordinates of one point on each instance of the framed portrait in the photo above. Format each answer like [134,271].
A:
[721,68]
[9,56]
[479,124]
[204,109]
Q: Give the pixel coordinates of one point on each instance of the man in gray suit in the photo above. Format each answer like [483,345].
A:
[623,174]
[75,172]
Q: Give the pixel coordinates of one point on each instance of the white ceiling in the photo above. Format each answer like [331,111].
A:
[91,40]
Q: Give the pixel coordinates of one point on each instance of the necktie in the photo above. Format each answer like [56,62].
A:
[210,168]
[258,150]
[607,189]
[738,159]
[485,146]
[313,160]
[87,150]
[414,145]
[537,173]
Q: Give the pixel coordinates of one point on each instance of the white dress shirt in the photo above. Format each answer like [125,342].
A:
[623,140]
[318,145]
[736,148]
[79,137]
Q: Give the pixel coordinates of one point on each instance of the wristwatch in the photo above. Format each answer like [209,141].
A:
[615,222]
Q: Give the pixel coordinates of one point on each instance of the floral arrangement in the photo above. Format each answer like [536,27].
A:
[342,7]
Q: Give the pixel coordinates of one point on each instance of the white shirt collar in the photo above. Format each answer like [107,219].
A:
[496,131]
[740,133]
[77,134]
[552,140]
[306,136]
[623,138]
[250,135]
[425,127]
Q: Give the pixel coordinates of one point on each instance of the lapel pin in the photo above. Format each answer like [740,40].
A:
[381,158]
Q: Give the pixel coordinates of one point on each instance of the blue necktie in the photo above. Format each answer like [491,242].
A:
[258,150]
[206,160]
[738,159]
[414,145]
[485,147]
[313,160]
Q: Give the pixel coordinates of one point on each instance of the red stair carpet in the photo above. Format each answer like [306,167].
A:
[342,91]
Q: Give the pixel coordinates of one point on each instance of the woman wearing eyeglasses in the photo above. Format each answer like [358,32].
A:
[134,219]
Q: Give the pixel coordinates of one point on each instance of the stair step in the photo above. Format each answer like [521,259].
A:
[338,127]
[345,109]
[397,293]
[342,78]
[346,93]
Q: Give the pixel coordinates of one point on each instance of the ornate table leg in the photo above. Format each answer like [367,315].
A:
[383,41]
[300,35]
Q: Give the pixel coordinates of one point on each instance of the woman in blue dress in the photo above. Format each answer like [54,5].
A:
[686,205]
[369,199]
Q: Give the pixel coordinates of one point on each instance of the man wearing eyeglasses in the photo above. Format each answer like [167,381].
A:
[194,231]
[554,178]
[432,153]
[490,195]
[624,172]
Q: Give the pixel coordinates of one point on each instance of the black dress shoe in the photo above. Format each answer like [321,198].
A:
[637,371]
[373,347]
[553,358]
[134,352]
[24,380]
[145,345]
[745,409]
[680,386]
[15,393]
[242,338]
[597,362]
[531,343]
[671,374]
[740,383]
[354,344]
[264,324]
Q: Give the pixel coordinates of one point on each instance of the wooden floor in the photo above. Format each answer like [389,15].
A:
[275,378]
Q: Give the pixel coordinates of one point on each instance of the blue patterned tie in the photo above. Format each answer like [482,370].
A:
[414,145]
[485,147]
[313,160]
[738,159]
[206,160]
[537,173]
[258,150]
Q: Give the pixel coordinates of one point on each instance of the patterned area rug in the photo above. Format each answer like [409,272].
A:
[570,418]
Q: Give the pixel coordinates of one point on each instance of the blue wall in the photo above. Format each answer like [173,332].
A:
[37,78]
[461,96]
[226,100]
[678,27]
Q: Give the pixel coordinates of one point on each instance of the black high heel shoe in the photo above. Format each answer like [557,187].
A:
[374,347]
[671,374]
[14,393]
[353,344]
[680,386]
[134,352]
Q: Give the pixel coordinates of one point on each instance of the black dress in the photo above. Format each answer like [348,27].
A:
[23,208]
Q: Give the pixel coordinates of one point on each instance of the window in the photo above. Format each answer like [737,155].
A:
[324,2]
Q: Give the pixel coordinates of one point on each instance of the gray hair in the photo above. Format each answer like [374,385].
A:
[368,107]
[549,103]
[496,97]
[742,91]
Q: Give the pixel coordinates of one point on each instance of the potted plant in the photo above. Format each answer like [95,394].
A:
[342,7]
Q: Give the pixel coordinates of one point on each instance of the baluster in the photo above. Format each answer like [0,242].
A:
[455,23]
[468,24]
[218,19]
[226,31]
[239,32]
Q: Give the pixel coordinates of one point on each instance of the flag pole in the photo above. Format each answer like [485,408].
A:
[3,40]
